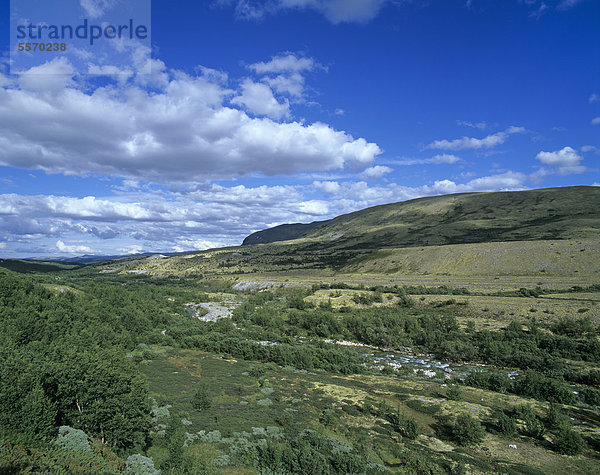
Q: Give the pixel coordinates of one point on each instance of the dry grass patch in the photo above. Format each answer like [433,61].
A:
[339,393]
[59,289]
[493,313]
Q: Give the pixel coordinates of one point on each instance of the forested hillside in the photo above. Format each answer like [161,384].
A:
[122,373]
[63,364]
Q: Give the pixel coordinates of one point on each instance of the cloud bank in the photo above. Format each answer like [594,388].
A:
[170,127]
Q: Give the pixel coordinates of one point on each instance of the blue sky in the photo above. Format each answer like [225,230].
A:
[258,113]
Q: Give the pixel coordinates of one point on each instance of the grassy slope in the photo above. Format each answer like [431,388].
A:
[576,258]
[566,257]
[555,213]
[279,233]
[235,395]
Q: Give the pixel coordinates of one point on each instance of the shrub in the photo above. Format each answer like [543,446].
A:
[555,418]
[222,461]
[538,386]
[257,371]
[160,412]
[201,400]
[454,393]
[285,419]
[267,391]
[534,427]
[467,430]
[328,417]
[506,424]
[72,439]
[573,326]
[404,299]
[347,463]
[523,411]
[139,465]
[175,439]
[351,410]
[274,433]
[404,425]
[408,427]
[366,299]
[590,396]
[265,402]
[426,408]
[211,437]
[499,382]
[569,442]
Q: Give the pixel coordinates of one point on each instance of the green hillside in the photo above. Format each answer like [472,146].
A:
[29,266]
[558,258]
[283,232]
[549,214]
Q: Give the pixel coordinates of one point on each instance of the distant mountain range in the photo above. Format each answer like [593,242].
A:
[27,265]
[87,259]
[553,213]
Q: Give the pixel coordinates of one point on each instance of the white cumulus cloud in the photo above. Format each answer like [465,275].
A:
[466,143]
[503,182]
[283,63]
[258,98]
[566,157]
[562,162]
[73,249]
[440,159]
[49,77]
[443,158]
[284,73]
[327,186]
[182,129]
[376,172]
[314,207]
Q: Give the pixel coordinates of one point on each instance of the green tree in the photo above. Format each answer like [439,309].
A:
[590,396]
[39,412]
[101,392]
[328,417]
[406,426]
[201,400]
[467,430]
[555,418]
[175,438]
[569,442]
[454,393]
[25,407]
[534,427]
[506,424]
